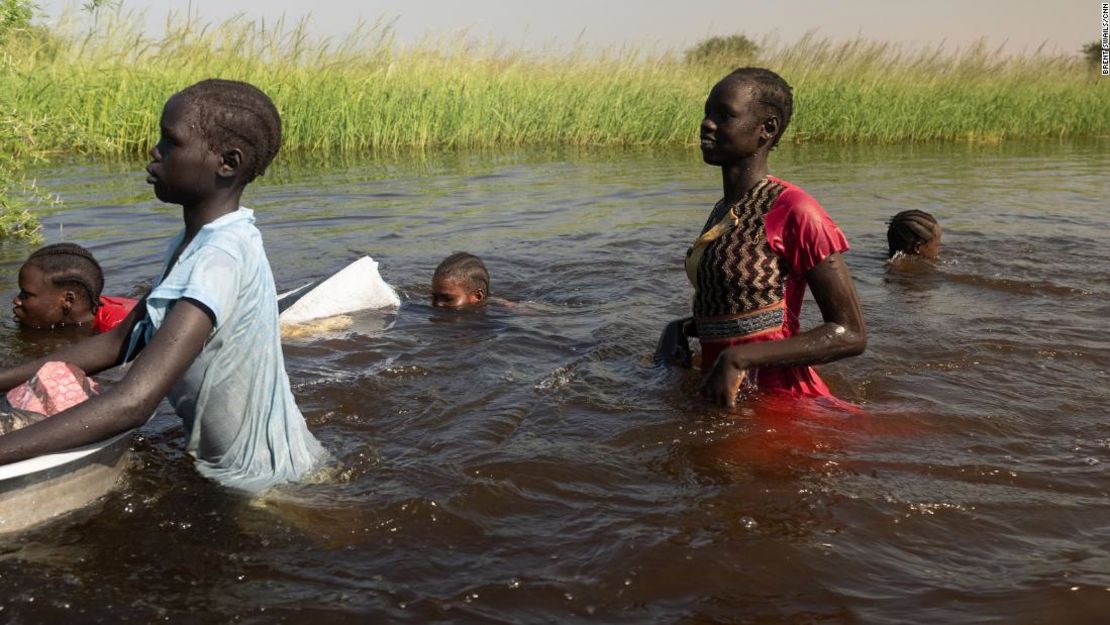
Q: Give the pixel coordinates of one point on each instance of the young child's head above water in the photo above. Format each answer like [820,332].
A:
[461,281]
[59,286]
[913,233]
[225,127]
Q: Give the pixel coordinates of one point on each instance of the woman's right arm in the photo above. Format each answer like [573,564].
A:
[92,355]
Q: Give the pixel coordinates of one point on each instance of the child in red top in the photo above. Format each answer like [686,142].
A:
[765,241]
[59,288]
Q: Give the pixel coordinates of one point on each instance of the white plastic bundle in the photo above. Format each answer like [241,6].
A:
[357,286]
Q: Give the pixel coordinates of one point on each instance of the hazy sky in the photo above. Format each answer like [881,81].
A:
[1018,24]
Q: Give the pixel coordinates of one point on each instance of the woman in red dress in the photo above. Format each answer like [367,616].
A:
[763,243]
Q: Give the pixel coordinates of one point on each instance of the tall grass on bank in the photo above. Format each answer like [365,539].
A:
[18,193]
[100,90]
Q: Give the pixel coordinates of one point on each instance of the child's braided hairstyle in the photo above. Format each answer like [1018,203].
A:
[908,229]
[465,268]
[70,265]
[232,114]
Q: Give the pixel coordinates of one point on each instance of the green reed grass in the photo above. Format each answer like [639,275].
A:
[18,193]
[99,90]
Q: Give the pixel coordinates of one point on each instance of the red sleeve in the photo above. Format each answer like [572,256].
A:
[112,312]
[800,231]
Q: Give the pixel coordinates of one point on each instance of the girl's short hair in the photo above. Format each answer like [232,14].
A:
[234,114]
[70,265]
[465,268]
[771,91]
[907,229]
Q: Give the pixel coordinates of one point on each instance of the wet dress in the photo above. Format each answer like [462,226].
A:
[241,421]
[748,270]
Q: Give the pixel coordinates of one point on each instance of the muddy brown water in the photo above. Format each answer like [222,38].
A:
[529,464]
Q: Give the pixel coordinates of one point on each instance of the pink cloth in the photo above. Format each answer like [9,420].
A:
[799,230]
[55,387]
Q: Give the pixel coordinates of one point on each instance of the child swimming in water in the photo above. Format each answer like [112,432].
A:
[913,233]
[460,282]
[207,335]
[60,288]
[764,242]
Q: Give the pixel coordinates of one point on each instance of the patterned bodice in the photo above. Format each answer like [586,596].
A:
[739,272]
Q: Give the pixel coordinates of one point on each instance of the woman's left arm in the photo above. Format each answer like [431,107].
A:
[129,403]
[841,335]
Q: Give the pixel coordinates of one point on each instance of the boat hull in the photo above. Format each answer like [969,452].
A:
[37,490]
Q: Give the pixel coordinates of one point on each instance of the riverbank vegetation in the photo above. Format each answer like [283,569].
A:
[99,89]
[95,84]
[17,192]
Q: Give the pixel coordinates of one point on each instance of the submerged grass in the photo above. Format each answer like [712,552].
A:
[99,90]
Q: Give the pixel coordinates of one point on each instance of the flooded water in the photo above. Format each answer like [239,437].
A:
[529,465]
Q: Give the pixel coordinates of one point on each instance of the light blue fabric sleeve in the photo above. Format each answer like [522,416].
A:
[210,276]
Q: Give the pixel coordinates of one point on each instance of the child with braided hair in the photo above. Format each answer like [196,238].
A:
[60,289]
[913,233]
[207,335]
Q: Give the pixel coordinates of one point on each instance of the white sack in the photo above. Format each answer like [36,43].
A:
[357,286]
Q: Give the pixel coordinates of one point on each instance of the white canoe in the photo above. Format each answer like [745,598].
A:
[36,490]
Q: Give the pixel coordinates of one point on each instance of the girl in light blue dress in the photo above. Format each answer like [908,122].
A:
[207,336]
